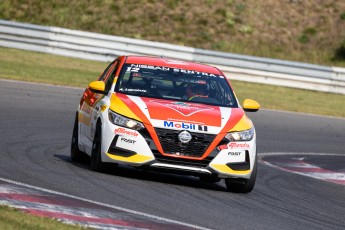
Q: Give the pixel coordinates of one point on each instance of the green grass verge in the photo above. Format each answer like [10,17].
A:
[46,68]
[289,99]
[13,219]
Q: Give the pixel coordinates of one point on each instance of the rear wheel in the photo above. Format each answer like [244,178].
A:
[242,185]
[96,163]
[76,154]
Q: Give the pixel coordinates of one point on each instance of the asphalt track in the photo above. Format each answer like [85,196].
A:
[36,126]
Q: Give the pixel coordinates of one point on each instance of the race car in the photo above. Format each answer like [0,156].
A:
[168,115]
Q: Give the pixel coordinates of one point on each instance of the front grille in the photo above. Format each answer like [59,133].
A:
[195,148]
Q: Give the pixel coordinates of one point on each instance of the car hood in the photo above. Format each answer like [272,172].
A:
[177,115]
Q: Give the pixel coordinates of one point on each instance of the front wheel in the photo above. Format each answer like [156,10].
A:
[96,163]
[242,185]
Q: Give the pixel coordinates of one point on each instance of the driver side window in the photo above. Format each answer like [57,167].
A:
[105,73]
[111,76]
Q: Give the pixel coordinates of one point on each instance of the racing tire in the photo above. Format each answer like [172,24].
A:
[242,185]
[96,163]
[76,154]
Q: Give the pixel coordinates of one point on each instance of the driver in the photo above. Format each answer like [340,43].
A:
[196,90]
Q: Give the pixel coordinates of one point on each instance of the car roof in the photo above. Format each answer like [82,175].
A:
[173,63]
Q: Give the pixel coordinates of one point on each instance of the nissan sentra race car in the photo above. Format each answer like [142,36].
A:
[165,114]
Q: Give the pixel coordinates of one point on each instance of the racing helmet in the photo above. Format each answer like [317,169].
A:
[196,90]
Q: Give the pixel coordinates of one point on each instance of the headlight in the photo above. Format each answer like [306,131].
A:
[246,135]
[119,120]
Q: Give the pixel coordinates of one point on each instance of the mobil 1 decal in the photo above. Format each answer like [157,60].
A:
[185,126]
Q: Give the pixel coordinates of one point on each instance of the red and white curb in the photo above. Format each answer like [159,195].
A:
[295,163]
[79,211]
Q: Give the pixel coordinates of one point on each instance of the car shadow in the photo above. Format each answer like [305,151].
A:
[148,175]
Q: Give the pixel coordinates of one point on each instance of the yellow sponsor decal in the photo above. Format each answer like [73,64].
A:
[243,124]
[84,114]
[103,107]
[226,169]
[137,158]
[82,118]
[118,106]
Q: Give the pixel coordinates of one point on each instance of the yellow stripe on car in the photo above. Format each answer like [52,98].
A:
[118,106]
[227,170]
[243,124]
[137,158]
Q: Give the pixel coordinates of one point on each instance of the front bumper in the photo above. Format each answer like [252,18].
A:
[130,147]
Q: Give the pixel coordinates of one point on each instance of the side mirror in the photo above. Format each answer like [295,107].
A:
[97,87]
[250,105]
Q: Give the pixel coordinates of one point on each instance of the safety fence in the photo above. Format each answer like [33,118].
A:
[100,47]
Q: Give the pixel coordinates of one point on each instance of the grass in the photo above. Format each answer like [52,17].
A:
[45,68]
[13,219]
[305,31]
[58,70]
[290,99]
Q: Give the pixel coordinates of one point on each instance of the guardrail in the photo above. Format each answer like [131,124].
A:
[102,47]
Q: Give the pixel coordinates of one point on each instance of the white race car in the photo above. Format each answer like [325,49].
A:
[170,115]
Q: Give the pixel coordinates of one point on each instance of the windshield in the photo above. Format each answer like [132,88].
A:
[175,84]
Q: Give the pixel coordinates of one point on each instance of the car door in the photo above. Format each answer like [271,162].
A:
[88,106]
[102,99]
